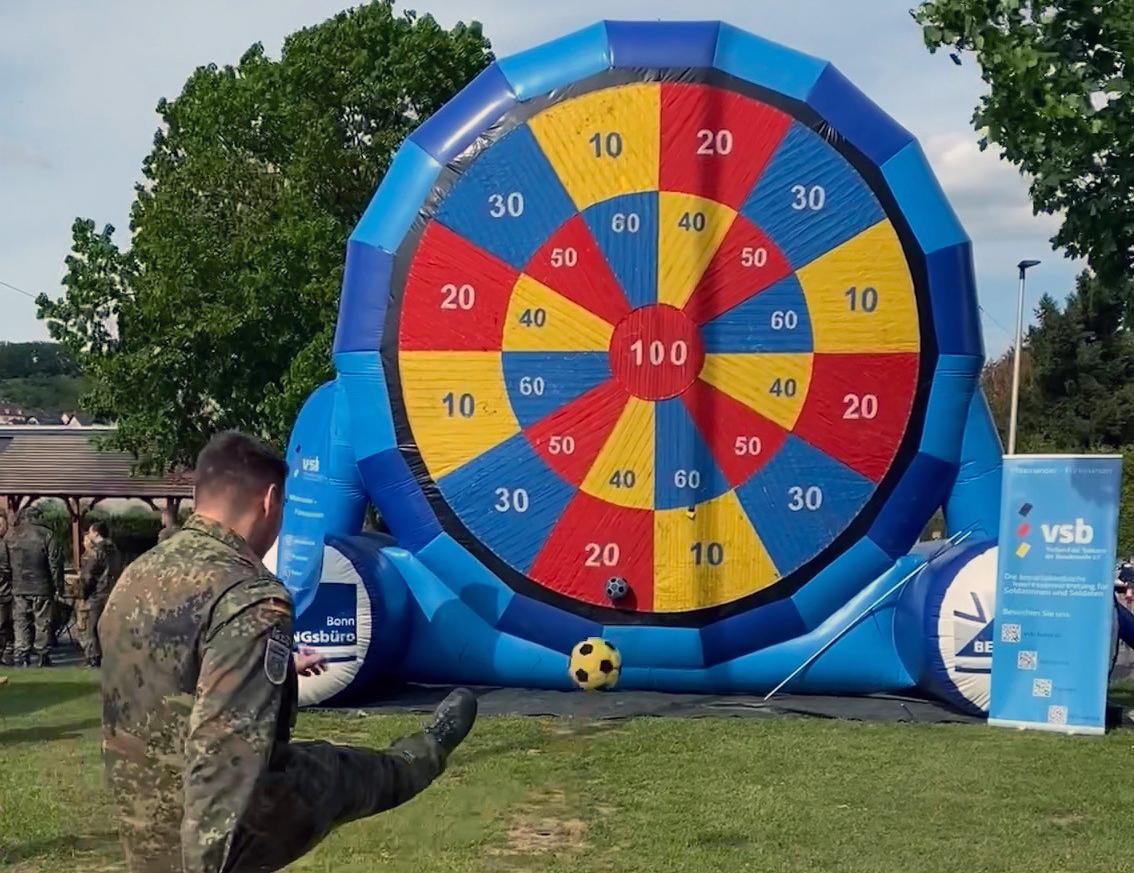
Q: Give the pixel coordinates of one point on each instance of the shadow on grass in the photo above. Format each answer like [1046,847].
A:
[25,697]
[47,732]
[102,843]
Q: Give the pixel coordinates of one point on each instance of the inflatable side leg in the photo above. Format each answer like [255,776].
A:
[974,503]
[324,491]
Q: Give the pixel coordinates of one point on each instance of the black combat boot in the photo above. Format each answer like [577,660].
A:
[43,661]
[453,720]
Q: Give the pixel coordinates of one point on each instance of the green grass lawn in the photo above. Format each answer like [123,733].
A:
[698,795]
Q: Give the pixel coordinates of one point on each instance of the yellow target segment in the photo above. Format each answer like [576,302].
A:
[773,385]
[540,320]
[690,230]
[623,472]
[707,556]
[603,144]
[860,296]
[457,406]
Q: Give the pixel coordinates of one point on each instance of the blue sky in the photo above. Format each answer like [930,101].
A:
[79,82]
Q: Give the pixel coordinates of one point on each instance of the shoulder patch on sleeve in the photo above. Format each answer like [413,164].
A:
[277,655]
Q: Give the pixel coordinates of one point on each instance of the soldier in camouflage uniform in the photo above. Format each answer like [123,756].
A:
[7,632]
[30,559]
[102,565]
[199,695]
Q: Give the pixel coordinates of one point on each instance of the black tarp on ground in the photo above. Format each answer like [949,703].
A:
[631,704]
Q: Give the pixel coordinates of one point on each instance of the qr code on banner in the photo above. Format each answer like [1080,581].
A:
[1057,715]
[1026,660]
[1041,688]
[1010,633]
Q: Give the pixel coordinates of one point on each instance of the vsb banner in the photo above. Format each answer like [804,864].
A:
[1055,592]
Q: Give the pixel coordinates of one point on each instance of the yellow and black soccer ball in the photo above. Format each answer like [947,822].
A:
[595,664]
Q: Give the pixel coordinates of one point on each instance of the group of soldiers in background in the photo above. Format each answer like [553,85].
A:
[35,602]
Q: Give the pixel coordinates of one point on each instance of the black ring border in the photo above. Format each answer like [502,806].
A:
[908,448]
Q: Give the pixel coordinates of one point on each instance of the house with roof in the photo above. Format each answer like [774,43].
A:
[68,464]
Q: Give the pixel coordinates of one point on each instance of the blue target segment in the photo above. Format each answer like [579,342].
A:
[685,472]
[775,320]
[509,201]
[508,499]
[810,200]
[539,383]
[626,229]
[801,501]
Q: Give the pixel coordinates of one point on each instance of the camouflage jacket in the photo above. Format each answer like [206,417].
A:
[102,565]
[198,690]
[31,561]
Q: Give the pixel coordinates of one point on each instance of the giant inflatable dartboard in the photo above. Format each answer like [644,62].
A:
[659,331]
[669,311]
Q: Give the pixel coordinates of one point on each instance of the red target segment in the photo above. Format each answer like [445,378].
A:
[570,439]
[570,263]
[456,296]
[858,407]
[746,263]
[656,352]
[742,441]
[718,147]
[595,542]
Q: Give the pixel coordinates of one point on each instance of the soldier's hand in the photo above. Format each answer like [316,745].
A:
[309,662]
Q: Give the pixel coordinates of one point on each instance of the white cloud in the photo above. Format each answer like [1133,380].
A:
[23,156]
[988,193]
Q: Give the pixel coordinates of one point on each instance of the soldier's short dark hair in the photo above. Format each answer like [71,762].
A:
[240,464]
[101,528]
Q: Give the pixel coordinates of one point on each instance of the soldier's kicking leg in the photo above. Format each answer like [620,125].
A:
[313,788]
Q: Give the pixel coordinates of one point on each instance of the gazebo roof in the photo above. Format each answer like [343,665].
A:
[63,462]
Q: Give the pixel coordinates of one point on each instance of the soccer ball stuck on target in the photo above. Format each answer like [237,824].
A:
[595,664]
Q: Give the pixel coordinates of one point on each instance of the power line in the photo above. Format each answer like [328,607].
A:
[18,290]
[1007,332]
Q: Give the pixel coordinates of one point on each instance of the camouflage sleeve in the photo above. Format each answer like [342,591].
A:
[94,565]
[5,563]
[245,660]
[55,564]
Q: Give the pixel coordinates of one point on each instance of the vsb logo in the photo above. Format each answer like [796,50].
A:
[310,465]
[1079,533]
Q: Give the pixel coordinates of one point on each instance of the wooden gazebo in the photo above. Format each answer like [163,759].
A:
[64,463]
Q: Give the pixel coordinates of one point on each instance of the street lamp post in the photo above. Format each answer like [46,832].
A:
[1023,267]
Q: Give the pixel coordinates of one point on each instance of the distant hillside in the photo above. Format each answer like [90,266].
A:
[40,377]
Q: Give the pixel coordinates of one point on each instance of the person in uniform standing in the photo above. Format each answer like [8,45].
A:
[199,695]
[7,632]
[30,559]
[101,568]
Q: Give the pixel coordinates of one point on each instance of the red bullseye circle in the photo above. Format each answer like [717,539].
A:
[656,352]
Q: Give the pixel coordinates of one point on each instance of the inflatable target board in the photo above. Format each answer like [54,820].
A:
[670,305]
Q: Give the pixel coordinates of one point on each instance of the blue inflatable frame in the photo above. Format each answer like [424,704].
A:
[469,625]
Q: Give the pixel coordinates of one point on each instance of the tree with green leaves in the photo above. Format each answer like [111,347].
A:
[221,312]
[1082,370]
[1061,107]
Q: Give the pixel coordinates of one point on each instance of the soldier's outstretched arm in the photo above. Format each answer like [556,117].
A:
[245,663]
